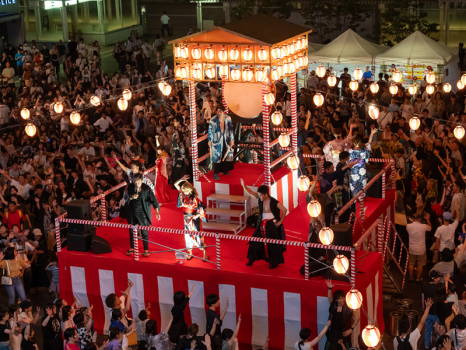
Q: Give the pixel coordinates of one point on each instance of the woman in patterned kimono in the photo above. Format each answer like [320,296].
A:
[193,212]
[358,172]
[221,141]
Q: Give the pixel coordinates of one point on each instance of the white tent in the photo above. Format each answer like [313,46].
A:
[349,48]
[417,48]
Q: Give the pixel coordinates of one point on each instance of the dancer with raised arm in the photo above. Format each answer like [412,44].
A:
[269,225]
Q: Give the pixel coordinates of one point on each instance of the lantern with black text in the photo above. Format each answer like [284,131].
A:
[223,55]
[276,53]
[210,72]
[260,75]
[460,85]
[248,74]
[224,71]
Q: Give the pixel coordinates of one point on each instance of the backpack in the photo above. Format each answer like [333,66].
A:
[404,344]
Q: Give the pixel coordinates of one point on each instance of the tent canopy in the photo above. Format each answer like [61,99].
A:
[348,48]
[417,48]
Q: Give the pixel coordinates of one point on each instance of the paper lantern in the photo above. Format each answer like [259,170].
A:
[276,53]
[292,48]
[286,49]
[412,89]
[292,68]
[277,118]
[275,75]
[260,75]
[318,99]
[127,92]
[306,61]
[414,123]
[430,78]
[196,73]
[357,74]
[223,55]
[430,89]
[320,71]
[178,52]
[210,72]
[181,72]
[95,101]
[280,70]
[354,299]
[234,54]
[286,68]
[397,76]
[247,54]
[460,85]
[340,264]
[284,140]
[196,53]
[373,112]
[248,74]
[447,87]
[30,129]
[75,117]
[235,74]
[282,51]
[393,89]
[299,43]
[371,336]
[314,208]
[332,80]
[262,54]
[269,99]
[25,113]
[209,53]
[326,235]
[301,61]
[459,132]
[224,71]
[374,88]
[122,104]
[58,107]
[166,89]
[184,53]
[293,162]
[463,79]
[353,85]
[303,183]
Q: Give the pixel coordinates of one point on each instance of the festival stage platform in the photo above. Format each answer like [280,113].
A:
[275,303]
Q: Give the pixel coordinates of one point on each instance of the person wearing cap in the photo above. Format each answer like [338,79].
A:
[12,266]
[445,234]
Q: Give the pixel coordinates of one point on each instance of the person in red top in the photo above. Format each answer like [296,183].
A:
[13,216]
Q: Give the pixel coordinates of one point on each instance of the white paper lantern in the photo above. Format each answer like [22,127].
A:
[248,74]
[75,117]
[430,89]
[371,336]
[326,235]
[340,264]
[373,112]
[30,129]
[224,71]
[269,99]
[393,89]
[25,113]
[260,75]
[284,140]
[397,76]
[374,88]
[463,79]
[353,85]
[303,183]
[430,78]
[122,104]
[277,118]
[293,162]
[318,99]
[320,71]
[332,80]
[196,53]
[446,87]
[459,132]
[184,52]
[314,208]
[209,53]
[95,101]
[247,54]
[354,299]
[58,107]
[357,74]
[414,123]
[223,55]
[460,85]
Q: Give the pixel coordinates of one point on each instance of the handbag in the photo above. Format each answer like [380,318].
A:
[6,280]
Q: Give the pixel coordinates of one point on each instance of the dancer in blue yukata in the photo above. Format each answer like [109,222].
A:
[358,172]
[221,141]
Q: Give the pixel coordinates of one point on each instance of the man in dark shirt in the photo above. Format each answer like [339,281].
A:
[72,46]
[213,301]
[70,162]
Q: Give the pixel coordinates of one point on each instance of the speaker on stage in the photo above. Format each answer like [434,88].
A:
[343,236]
[79,209]
[375,191]
[100,245]
[79,236]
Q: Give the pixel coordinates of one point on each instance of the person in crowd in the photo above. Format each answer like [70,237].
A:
[221,141]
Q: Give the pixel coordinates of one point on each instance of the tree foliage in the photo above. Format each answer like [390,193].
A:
[330,18]
[277,8]
[402,18]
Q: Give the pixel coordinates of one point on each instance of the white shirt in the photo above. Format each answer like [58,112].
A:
[87,152]
[23,191]
[417,237]
[446,234]
[4,114]
[413,339]
[305,346]
[103,123]
[459,335]
[164,19]
[407,112]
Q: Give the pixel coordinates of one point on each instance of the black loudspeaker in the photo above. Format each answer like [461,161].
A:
[343,236]
[375,191]
[100,245]
[79,209]
[80,242]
